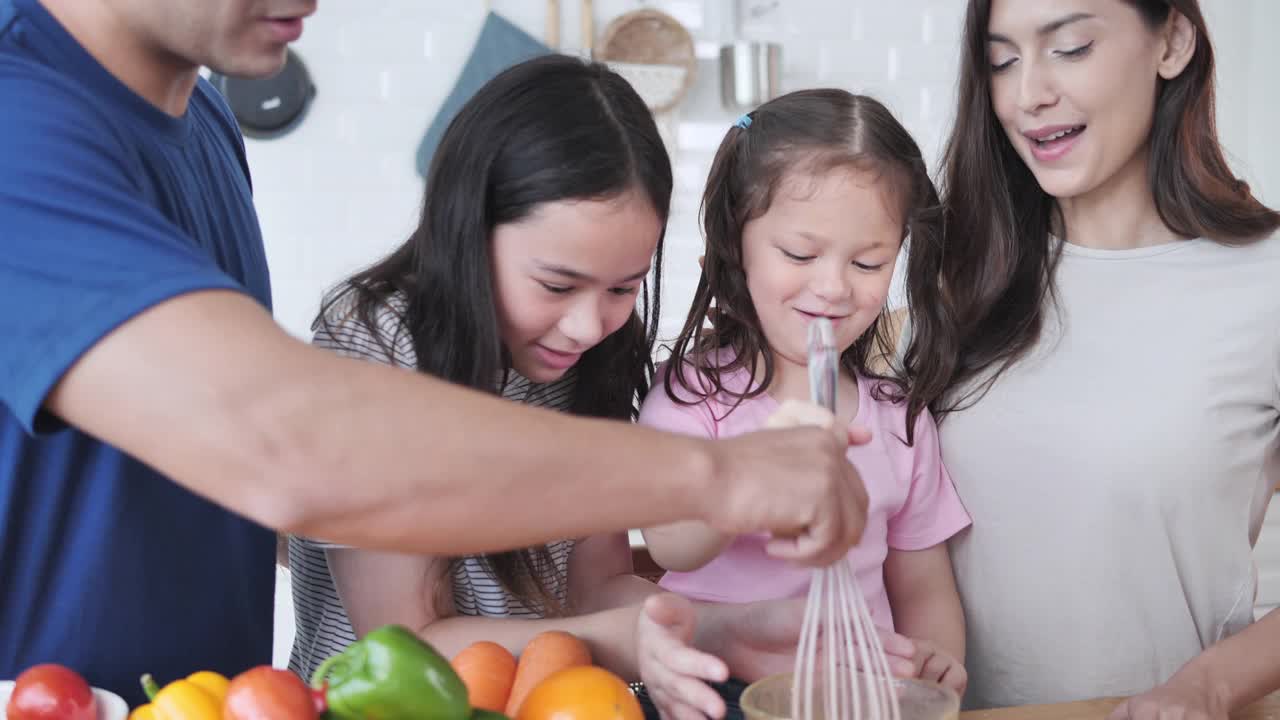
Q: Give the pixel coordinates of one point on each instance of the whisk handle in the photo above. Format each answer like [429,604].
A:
[824,363]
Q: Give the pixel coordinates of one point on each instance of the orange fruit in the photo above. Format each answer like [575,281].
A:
[581,693]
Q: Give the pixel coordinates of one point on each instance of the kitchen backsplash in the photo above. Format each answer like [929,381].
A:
[341,189]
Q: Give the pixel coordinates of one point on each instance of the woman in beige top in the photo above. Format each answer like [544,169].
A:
[1099,334]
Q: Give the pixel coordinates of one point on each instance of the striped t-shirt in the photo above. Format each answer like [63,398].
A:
[323,628]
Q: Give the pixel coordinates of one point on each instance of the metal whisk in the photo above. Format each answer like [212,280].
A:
[841,671]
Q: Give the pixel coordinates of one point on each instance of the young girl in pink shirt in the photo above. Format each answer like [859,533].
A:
[808,203]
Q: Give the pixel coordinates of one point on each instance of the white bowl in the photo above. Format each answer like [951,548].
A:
[110,705]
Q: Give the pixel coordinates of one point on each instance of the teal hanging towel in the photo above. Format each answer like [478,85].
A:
[500,45]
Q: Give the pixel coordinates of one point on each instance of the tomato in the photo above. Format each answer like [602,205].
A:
[581,693]
[265,693]
[51,692]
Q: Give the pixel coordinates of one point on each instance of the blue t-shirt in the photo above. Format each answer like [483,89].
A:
[109,206]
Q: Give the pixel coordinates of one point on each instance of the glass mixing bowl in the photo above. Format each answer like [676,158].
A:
[770,699]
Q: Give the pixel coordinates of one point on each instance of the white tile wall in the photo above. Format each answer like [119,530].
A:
[341,190]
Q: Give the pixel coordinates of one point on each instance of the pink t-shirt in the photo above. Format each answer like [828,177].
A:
[913,503]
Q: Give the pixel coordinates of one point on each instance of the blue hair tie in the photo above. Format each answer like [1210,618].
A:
[743,122]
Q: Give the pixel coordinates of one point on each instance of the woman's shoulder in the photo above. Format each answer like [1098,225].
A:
[1269,246]
[1263,248]
[1241,272]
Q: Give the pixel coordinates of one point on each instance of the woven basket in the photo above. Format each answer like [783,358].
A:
[654,53]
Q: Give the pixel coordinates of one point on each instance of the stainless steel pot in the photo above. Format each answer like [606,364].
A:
[750,74]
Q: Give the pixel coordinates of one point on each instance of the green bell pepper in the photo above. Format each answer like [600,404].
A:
[390,674]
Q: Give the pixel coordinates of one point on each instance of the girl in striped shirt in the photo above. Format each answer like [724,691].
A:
[532,274]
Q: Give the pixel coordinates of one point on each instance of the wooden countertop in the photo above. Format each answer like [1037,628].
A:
[1267,708]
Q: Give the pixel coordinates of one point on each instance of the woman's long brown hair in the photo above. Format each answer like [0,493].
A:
[977,300]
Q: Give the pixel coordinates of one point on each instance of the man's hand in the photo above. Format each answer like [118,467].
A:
[823,508]
[796,484]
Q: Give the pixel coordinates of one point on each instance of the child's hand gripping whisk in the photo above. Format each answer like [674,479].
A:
[841,671]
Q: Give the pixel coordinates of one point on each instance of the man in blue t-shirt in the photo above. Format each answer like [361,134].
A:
[155,422]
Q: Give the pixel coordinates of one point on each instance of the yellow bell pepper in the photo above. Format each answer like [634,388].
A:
[143,712]
[197,697]
[212,683]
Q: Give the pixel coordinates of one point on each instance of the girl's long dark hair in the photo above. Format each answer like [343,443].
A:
[977,301]
[805,131]
[550,129]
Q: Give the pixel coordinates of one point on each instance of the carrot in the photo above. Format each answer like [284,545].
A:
[546,654]
[487,669]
